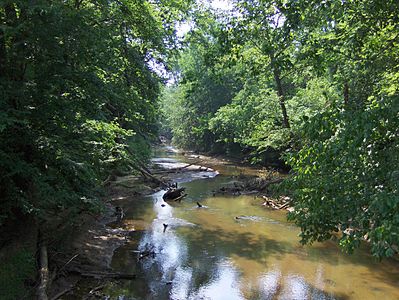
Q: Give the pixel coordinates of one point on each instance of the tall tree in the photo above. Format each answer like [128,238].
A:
[77,88]
[346,170]
[268,26]
[203,86]
[78,98]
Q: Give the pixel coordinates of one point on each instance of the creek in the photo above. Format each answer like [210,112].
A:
[233,248]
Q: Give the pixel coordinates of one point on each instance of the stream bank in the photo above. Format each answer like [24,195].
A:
[229,248]
[88,255]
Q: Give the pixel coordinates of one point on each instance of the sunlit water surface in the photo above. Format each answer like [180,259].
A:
[209,253]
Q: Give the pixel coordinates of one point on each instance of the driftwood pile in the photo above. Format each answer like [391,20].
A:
[259,186]
[279,203]
[248,186]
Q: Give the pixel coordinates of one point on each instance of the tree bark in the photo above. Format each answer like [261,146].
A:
[281,97]
[43,273]
[78,3]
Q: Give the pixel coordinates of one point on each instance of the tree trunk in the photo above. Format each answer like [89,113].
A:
[281,97]
[43,272]
[346,94]
[78,3]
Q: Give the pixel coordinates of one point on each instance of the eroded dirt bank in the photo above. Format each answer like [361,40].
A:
[88,252]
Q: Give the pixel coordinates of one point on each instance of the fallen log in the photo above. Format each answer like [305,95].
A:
[146,173]
[270,202]
[276,204]
[181,197]
[68,262]
[267,183]
[104,275]
[285,205]
[109,179]
[62,293]
[173,193]
[96,289]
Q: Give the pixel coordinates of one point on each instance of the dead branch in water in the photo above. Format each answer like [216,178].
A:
[149,176]
[104,275]
[285,205]
[276,204]
[180,198]
[173,194]
[270,202]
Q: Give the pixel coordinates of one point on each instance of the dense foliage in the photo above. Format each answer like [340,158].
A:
[203,87]
[79,89]
[346,171]
[78,97]
[315,81]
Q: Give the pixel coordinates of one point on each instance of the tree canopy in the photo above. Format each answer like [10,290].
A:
[79,90]
[310,86]
[318,83]
[79,86]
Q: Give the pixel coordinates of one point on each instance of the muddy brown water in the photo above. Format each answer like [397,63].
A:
[233,248]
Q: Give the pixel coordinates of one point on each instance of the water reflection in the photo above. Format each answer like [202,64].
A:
[168,272]
[232,248]
[269,284]
[224,284]
[170,250]
[184,269]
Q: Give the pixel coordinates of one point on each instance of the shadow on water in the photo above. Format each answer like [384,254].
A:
[192,263]
[210,254]
[244,244]
[329,253]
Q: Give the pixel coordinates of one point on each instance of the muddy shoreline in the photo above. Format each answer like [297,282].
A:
[89,253]
[91,250]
